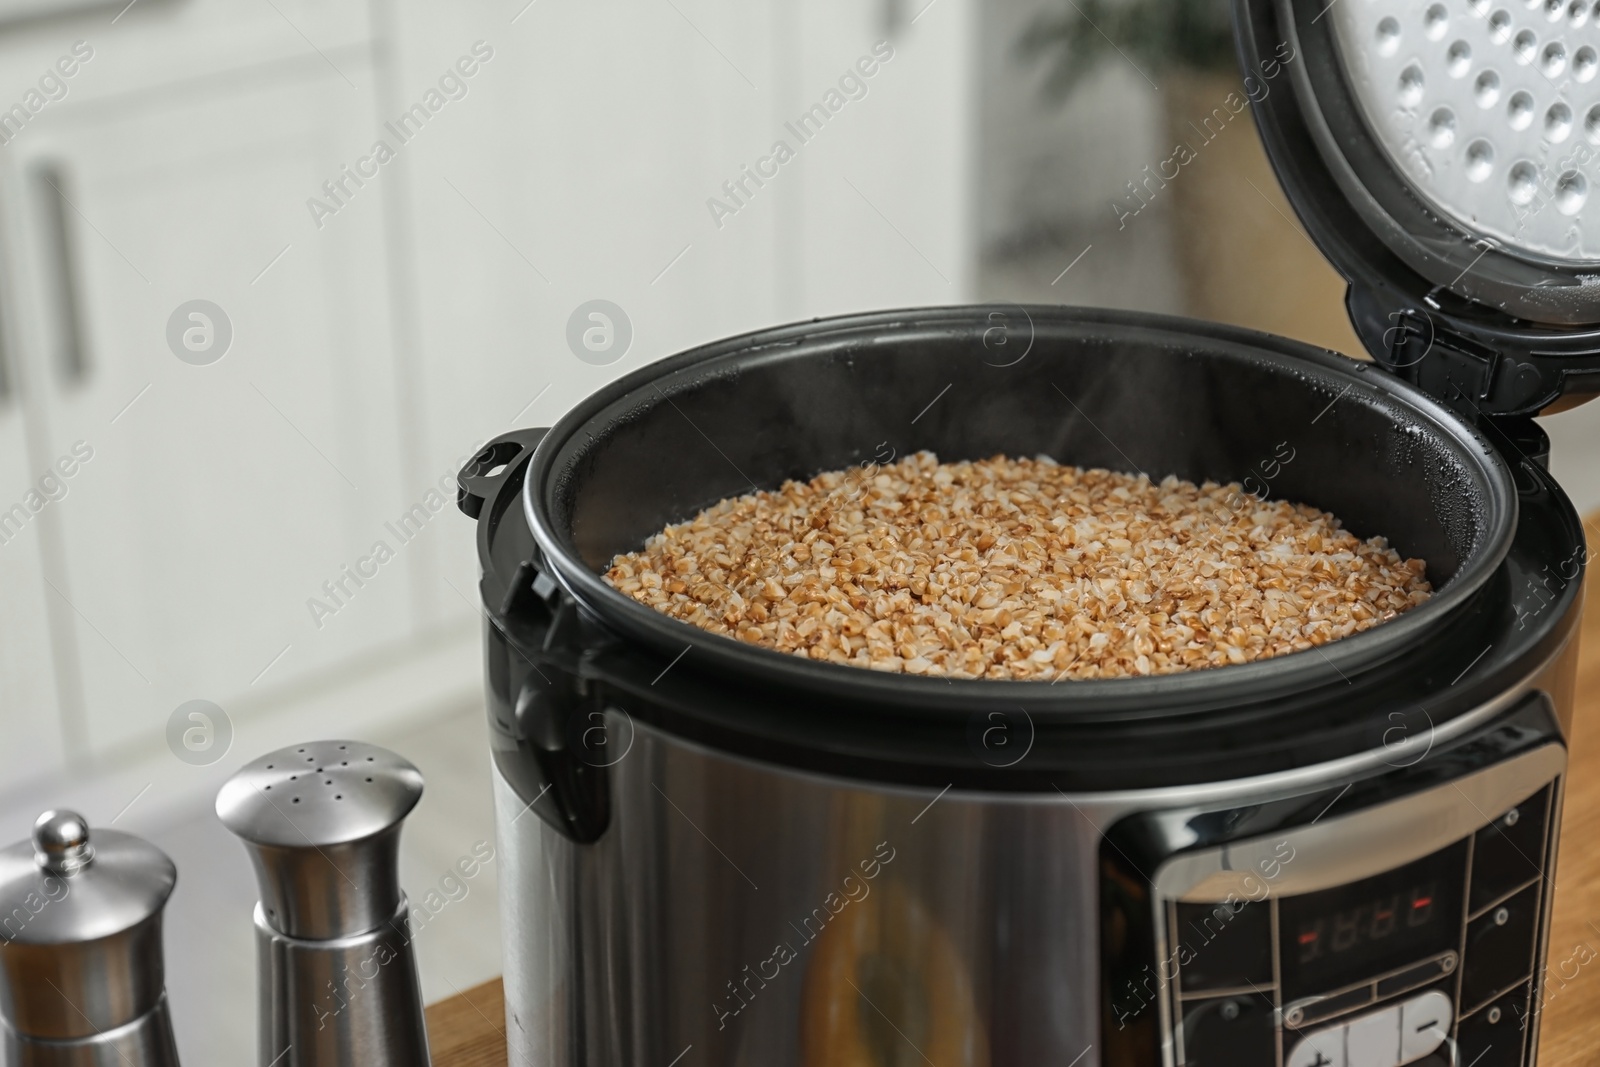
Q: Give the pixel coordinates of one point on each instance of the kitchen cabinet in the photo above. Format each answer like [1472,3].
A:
[222,493]
[145,48]
[219,544]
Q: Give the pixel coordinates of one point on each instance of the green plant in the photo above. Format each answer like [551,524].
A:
[1073,36]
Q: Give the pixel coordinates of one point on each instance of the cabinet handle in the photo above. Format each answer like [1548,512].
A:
[72,359]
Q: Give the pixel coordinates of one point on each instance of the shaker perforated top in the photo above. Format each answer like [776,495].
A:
[319,793]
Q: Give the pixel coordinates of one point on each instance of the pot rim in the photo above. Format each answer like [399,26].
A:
[1337,662]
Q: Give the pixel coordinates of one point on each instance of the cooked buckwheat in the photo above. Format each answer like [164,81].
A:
[1021,569]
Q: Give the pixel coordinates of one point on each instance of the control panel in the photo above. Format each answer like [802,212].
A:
[1429,962]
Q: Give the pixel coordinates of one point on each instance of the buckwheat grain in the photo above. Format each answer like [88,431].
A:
[1019,569]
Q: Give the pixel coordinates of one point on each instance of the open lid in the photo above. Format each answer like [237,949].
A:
[1445,157]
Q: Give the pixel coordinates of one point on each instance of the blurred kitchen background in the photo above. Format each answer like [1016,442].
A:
[372,315]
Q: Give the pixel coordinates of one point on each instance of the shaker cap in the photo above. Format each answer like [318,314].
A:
[318,794]
[67,885]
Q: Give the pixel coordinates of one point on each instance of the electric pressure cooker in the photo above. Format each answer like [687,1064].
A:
[714,853]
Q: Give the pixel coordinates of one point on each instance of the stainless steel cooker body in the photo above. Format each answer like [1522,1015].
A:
[741,913]
[715,854]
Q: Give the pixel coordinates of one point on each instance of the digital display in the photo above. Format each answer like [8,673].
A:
[1367,924]
[1340,936]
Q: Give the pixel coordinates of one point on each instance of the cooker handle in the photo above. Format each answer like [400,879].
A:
[543,711]
[487,472]
[546,715]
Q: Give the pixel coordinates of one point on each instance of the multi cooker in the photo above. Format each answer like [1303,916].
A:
[714,853]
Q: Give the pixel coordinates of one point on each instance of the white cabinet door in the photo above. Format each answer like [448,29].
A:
[225,500]
[28,701]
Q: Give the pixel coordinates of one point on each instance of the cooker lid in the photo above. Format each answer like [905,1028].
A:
[1445,156]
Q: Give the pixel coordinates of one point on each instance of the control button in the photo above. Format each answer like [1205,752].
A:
[1507,852]
[1419,975]
[1314,1009]
[1424,1024]
[1500,947]
[1230,946]
[1373,1040]
[1493,1036]
[1228,1031]
[1325,1048]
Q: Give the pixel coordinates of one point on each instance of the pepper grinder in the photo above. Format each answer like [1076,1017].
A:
[337,976]
[82,980]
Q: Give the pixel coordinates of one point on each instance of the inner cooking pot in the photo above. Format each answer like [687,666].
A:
[1126,391]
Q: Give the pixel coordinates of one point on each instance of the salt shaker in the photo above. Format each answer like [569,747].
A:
[82,978]
[337,976]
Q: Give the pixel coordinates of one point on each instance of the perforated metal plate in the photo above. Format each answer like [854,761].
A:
[1489,108]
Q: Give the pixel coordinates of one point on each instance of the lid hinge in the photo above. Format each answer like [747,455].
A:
[1466,376]
[1476,367]
[1446,366]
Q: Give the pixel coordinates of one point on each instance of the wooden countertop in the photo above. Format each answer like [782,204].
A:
[469,1030]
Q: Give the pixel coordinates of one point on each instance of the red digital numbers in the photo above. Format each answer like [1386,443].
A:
[1421,909]
[1366,923]
[1311,942]
[1384,918]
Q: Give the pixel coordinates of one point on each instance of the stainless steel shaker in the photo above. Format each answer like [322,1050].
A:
[336,970]
[82,977]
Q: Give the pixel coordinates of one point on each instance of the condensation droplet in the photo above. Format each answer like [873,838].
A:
[1480,160]
[1523,182]
[1500,25]
[1486,88]
[1558,122]
[1458,60]
[1519,109]
[1442,127]
[1591,124]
